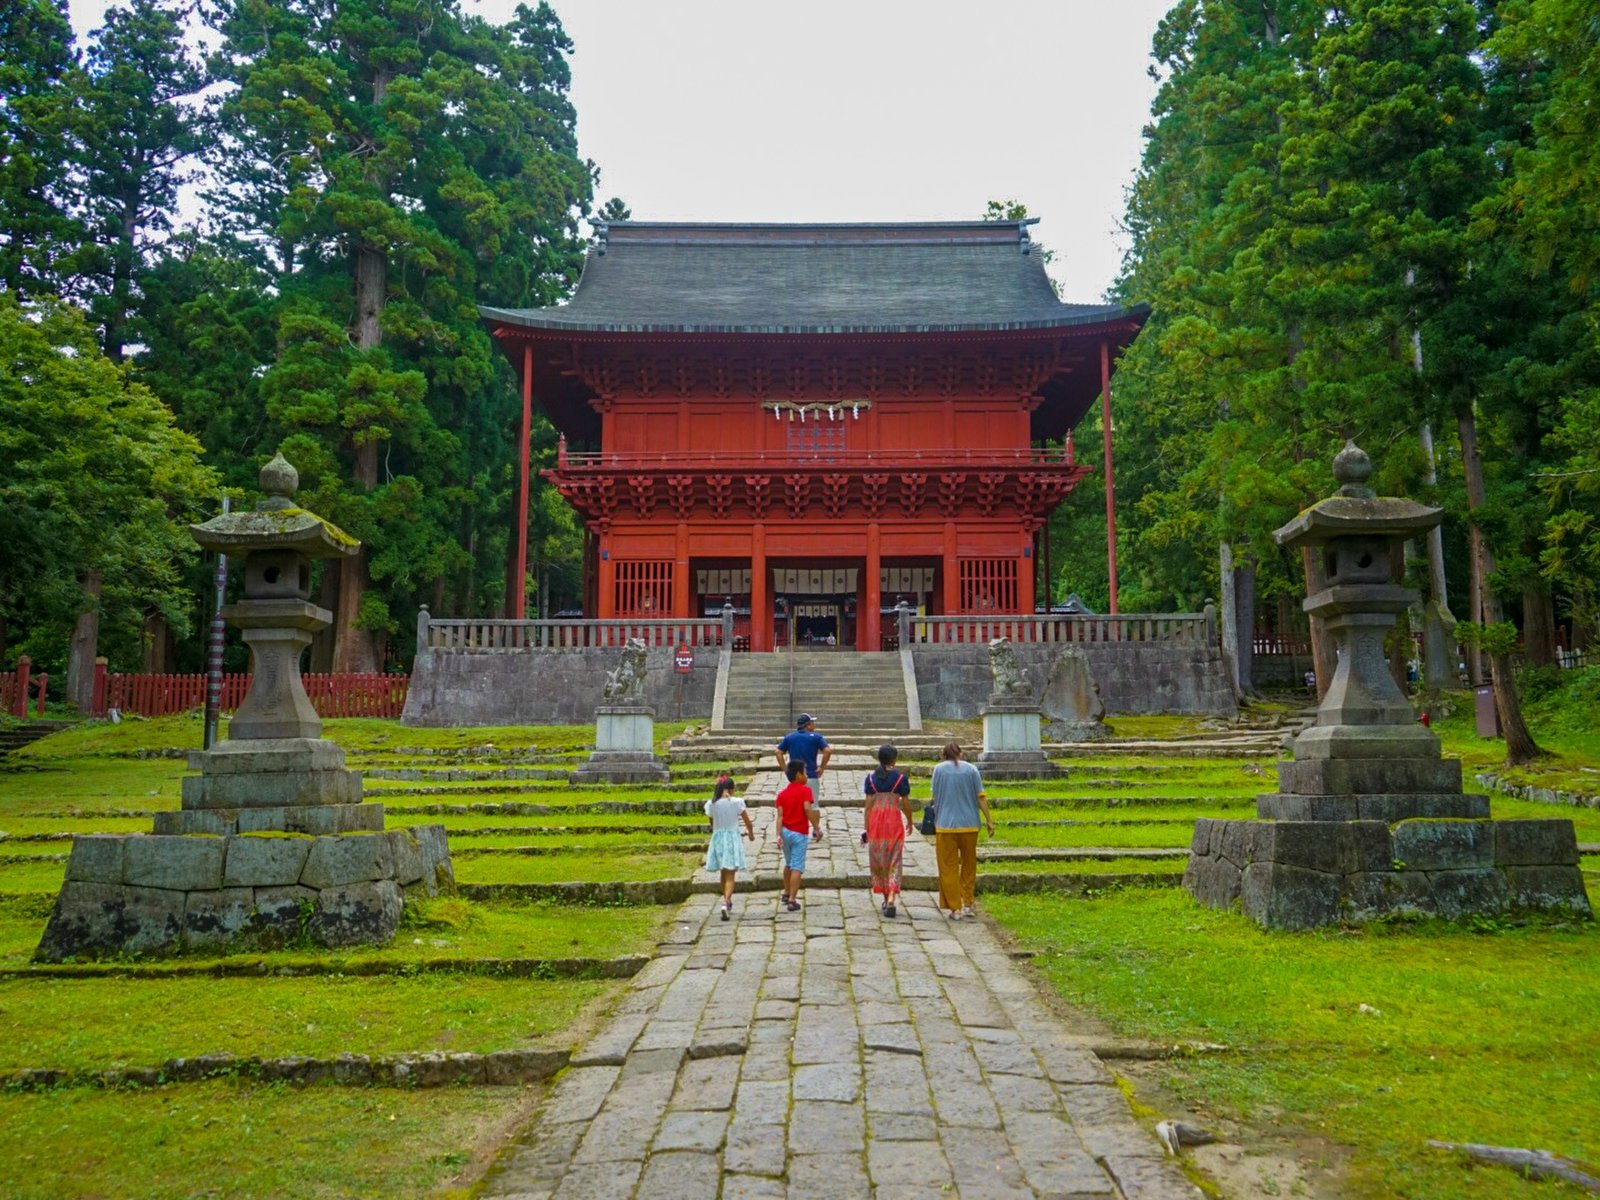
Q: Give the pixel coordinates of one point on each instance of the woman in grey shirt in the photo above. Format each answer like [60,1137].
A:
[958,802]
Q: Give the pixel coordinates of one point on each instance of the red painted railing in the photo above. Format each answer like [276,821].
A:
[344,695]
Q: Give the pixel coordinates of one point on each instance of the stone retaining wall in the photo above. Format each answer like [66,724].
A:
[433,1068]
[1539,795]
[548,687]
[1307,874]
[157,894]
[1133,677]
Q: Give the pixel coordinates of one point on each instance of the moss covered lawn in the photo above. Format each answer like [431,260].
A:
[1379,1039]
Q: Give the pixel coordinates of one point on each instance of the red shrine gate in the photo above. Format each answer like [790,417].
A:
[812,422]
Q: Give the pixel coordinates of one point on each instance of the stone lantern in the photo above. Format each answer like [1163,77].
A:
[1369,819]
[272,842]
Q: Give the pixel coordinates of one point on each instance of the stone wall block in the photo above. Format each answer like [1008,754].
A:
[1327,846]
[1442,806]
[265,861]
[90,919]
[1242,842]
[1422,845]
[342,859]
[407,855]
[1372,845]
[1475,892]
[1214,882]
[1284,897]
[1200,843]
[96,858]
[1382,892]
[177,864]
[437,872]
[1548,889]
[216,918]
[1533,843]
[1282,806]
[282,914]
[356,914]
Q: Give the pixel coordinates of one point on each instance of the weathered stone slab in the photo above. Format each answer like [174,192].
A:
[283,913]
[1548,889]
[216,918]
[1283,897]
[1480,891]
[1530,843]
[91,919]
[265,861]
[176,864]
[1369,776]
[356,914]
[1214,882]
[1444,845]
[340,860]
[96,858]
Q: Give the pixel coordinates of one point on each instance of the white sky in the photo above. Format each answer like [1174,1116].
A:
[874,110]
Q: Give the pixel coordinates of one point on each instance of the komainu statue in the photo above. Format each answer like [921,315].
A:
[625,684]
[1009,681]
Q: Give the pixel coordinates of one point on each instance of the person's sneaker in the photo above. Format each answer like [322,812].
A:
[888,911]
[793,906]
[954,915]
[727,912]
[969,913]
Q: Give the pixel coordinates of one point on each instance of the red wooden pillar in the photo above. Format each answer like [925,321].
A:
[1111,489]
[606,580]
[519,585]
[682,592]
[760,601]
[19,702]
[869,624]
[950,569]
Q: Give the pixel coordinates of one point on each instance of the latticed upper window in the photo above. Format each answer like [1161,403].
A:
[816,438]
[644,588]
[988,585]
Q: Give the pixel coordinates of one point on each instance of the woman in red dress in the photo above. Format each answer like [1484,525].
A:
[889,819]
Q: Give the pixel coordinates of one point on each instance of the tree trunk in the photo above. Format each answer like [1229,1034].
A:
[1323,660]
[321,658]
[1538,624]
[355,649]
[1475,604]
[1520,746]
[1230,614]
[85,643]
[156,635]
[1244,598]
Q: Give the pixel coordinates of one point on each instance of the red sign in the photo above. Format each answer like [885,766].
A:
[683,660]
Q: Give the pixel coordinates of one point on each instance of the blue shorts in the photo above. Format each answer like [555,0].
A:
[794,849]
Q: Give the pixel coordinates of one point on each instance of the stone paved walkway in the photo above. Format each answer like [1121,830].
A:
[833,1054]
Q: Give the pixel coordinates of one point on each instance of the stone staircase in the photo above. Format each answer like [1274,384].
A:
[15,737]
[846,691]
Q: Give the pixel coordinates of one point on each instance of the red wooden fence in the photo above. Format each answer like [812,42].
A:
[16,685]
[346,695]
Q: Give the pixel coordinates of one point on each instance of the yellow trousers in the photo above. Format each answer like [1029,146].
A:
[957,855]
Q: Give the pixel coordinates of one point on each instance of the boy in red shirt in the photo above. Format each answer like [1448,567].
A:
[798,816]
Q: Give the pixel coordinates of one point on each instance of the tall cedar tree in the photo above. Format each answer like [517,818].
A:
[407,160]
[135,133]
[37,68]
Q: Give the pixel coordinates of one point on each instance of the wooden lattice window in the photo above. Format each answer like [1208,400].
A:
[988,585]
[644,588]
[816,438]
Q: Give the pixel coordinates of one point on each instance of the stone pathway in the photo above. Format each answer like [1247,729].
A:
[834,1054]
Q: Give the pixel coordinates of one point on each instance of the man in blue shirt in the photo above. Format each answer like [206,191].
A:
[805,744]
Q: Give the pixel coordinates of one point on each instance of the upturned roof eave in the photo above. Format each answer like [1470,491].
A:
[533,321]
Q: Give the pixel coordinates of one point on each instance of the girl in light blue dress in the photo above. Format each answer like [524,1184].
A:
[726,852]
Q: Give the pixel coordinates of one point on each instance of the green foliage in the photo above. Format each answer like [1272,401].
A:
[98,479]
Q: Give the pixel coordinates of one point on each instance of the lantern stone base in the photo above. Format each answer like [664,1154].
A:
[270,773]
[1012,748]
[157,894]
[624,747]
[1289,874]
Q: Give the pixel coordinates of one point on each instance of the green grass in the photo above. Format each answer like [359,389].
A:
[1477,1037]
[446,928]
[1082,866]
[248,1142]
[593,867]
[28,878]
[1096,835]
[88,1023]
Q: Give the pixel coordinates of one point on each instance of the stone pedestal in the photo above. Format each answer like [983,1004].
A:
[273,844]
[1369,820]
[1012,748]
[624,747]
